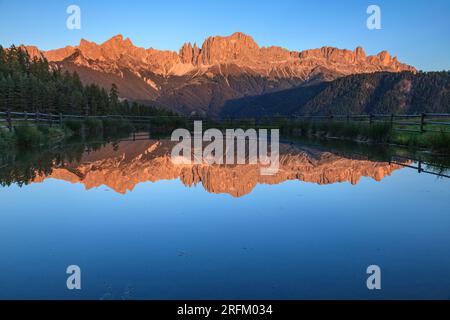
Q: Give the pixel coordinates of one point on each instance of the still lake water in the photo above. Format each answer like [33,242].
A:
[140,227]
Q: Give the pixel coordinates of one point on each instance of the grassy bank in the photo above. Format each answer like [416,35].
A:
[34,136]
[99,127]
[377,132]
[438,142]
[383,133]
[31,136]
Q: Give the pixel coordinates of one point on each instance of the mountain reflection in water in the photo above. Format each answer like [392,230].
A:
[124,165]
[300,239]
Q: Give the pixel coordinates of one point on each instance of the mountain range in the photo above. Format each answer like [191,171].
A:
[202,80]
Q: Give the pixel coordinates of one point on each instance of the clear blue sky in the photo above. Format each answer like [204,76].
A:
[418,32]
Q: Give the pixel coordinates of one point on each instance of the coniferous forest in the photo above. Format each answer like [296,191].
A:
[378,93]
[31,84]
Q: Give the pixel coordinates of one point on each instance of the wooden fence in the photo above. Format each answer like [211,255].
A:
[420,165]
[10,119]
[417,123]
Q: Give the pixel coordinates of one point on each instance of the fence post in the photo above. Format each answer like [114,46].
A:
[392,120]
[60,119]
[8,119]
[37,117]
[348,118]
[26,117]
[371,119]
[422,123]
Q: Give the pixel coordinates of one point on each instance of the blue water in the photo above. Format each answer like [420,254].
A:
[294,240]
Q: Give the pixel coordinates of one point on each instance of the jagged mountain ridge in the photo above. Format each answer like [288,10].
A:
[202,79]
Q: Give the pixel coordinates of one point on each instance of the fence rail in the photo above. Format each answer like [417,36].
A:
[415,123]
[11,119]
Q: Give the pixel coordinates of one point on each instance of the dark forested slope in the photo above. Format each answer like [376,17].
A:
[382,92]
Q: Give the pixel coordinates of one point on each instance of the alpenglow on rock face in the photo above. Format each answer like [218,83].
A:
[202,79]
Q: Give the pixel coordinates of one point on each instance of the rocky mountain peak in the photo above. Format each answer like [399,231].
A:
[218,49]
[239,49]
[360,54]
[90,50]
[189,54]
[384,57]
[202,79]
[117,42]
[32,51]
[116,38]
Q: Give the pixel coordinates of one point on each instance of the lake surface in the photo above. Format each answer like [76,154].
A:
[140,227]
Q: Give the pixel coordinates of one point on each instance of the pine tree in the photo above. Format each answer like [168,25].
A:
[114,98]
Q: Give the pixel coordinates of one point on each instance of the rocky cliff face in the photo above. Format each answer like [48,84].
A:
[132,163]
[202,79]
